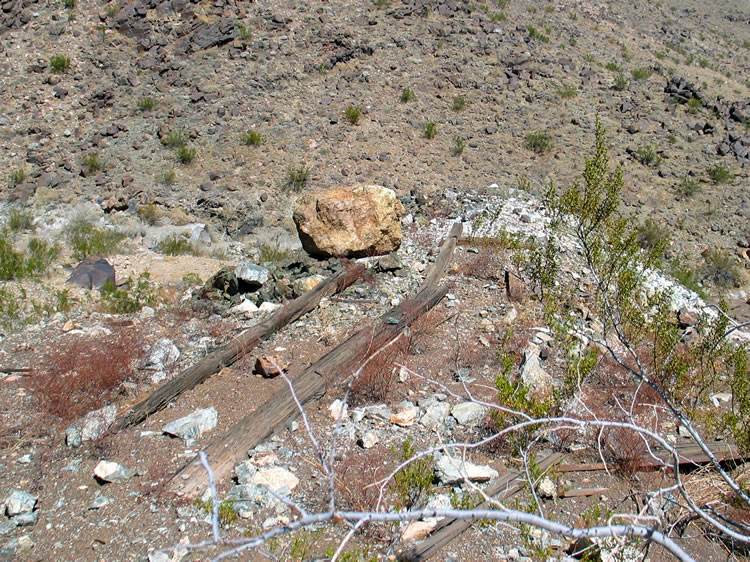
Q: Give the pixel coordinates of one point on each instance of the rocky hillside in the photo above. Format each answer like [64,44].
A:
[175,138]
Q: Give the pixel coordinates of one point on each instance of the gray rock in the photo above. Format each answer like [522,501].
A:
[16,546]
[99,502]
[192,426]
[18,502]
[250,274]
[109,471]
[369,439]
[378,412]
[468,413]
[93,272]
[245,472]
[435,415]
[92,426]
[26,519]
[451,470]
[533,375]
[163,354]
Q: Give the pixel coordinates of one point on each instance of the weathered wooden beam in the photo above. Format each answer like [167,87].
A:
[225,451]
[239,346]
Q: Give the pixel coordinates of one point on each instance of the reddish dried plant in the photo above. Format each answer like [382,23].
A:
[80,374]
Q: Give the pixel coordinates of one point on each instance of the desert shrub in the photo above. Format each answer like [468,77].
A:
[20,219]
[567,91]
[693,105]
[719,174]
[614,67]
[414,483]
[92,162]
[407,95]
[429,130]
[297,177]
[272,253]
[175,245]
[686,276]
[16,177]
[150,213]
[641,73]
[353,113]
[648,156]
[185,154]
[59,64]
[620,82]
[252,138]
[35,261]
[167,176]
[534,33]
[86,240]
[146,103]
[458,146]
[126,301]
[688,187]
[374,382]
[243,32]
[538,141]
[651,235]
[10,308]
[227,514]
[81,374]
[720,269]
[175,138]
[459,103]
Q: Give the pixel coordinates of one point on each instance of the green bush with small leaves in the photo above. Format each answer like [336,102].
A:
[567,91]
[614,67]
[175,245]
[538,141]
[429,130]
[16,177]
[185,154]
[252,138]
[128,300]
[641,73]
[458,146]
[407,95]
[459,103]
[59,64]
[353,113]
[415,482]
[35,261]
[146,103]
[534,33]
[175,138]
[648,156]
[719,174]
[86,239]
[92,163]
[167,176]
[720,269]
[20,219]
[688,187]
[620,82]
[297,177]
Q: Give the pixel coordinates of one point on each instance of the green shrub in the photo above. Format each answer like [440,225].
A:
[243,32]
[534,33]
[497,17]
[150,213]
[652,235]
[459,103]
[614,67]
[86,240]
[414,482]
[92,162]
[353,113]
[272,253]
[62,300]
[688,187]
[175,245]
[122,301]
[17,265]
[167,176]
[146,103]
[10,308]
[226,512]
[16,177]
[720,174]
[70,4]
[252,138]
[175,138]
[407,95]
[458,146]
[185,154]
[648,156]
[641,73]
[567,91]
[538,141]
[720,269]
[297,177]
[429,130]
[693,105]
[59,64]
[687,277]
[620,82]
[20,219]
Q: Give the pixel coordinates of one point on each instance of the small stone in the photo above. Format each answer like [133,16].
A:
[99,502]
[338,410]
[405,416]
[369,440]
[194,425]
[468,413]
[304,284]
[108,471]
[452,470]
[246,307]
[275,478]
[163,354]
[269,307]
[546,488]
[91,427]
[270,366]
[435,415]
[245,472]
[18,502]
[251,274]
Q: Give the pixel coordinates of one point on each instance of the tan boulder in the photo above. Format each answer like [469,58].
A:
[353,221]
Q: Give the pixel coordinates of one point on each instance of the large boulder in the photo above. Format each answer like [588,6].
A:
[355,221]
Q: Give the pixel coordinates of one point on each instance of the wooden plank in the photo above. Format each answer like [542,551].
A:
[239,346]
[227,450]
[689,454]
[449,529]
